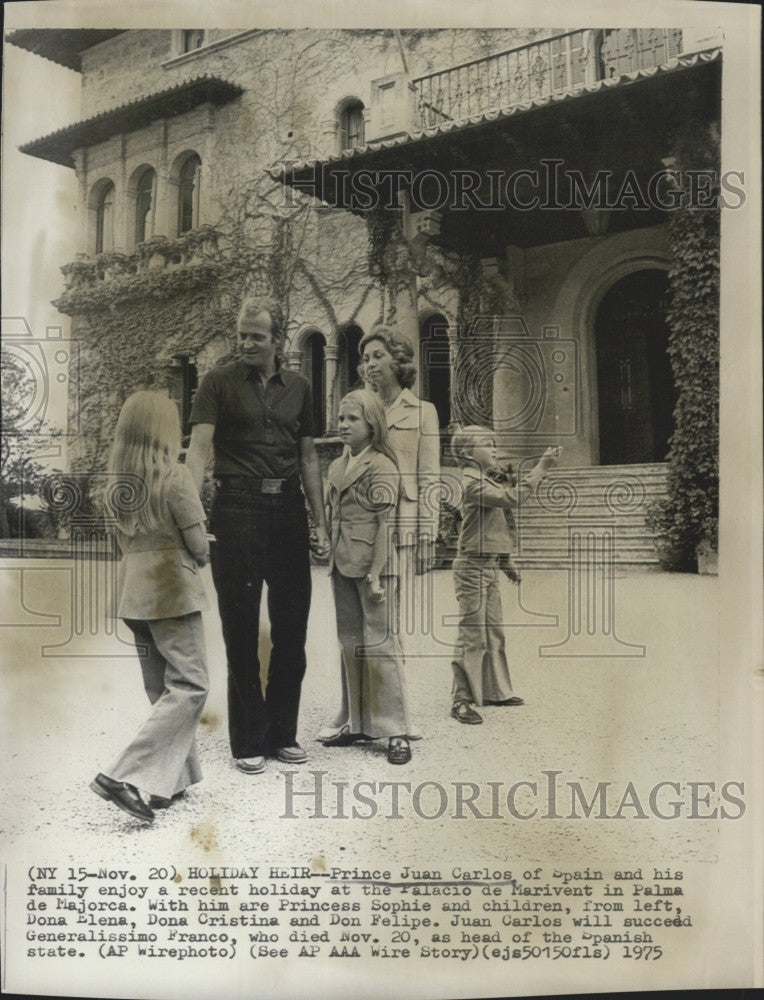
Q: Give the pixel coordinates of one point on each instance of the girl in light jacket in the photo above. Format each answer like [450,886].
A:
[161,532]
[362,502]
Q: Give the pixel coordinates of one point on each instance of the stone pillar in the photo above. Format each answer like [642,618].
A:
[331,354]
[591,43]
[206,172]
[85,231]
[419,228]
[293,360]
[165,223]
[329,130]
[124,214]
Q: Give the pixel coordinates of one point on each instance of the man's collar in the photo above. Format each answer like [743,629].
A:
[245,371]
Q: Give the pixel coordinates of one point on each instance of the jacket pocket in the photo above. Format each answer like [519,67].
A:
[408,419]
[187,561]
[364,531]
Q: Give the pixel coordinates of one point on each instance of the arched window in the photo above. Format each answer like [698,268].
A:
[105,220]
[313,370]
[351,125]
[144,206]
[188,194]
[348,359]
[435,366]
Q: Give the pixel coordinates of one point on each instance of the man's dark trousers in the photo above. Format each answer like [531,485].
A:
[262,537]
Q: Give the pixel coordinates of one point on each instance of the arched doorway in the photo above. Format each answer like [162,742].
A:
[635,386]
[435,365]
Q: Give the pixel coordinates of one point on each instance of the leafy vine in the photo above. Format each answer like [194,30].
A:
[689,514]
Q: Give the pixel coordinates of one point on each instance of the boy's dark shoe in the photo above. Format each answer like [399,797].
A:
[462,711]
[398,750]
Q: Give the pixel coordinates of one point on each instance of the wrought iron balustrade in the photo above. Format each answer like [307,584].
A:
[562,63]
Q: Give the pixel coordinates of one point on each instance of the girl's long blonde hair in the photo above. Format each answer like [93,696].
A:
[144,454]
[373,413]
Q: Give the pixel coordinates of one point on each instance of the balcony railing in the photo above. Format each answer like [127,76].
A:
[563,63]
[158,268]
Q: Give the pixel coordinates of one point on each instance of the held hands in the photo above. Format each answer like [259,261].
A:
[376,590]
[319,543]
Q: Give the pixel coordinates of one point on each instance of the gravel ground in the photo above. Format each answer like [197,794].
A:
[610,718]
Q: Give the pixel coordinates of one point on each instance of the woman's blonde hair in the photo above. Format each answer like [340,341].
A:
[373,413]
[144,454]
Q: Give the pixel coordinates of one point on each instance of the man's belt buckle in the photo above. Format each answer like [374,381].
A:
[272,485]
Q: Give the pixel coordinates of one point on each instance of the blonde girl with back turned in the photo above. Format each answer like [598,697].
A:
[161,531]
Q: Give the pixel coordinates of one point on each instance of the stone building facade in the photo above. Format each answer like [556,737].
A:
[500,194]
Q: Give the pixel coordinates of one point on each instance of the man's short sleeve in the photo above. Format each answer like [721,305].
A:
[183,499]
[204,409]
[306,427]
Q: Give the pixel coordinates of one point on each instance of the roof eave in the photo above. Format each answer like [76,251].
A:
[62,46]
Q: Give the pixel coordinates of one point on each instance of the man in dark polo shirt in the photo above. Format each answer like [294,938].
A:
[257,416]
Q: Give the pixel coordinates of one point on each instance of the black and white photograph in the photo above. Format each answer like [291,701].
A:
[381,512]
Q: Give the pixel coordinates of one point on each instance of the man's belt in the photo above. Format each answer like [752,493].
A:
[251,484]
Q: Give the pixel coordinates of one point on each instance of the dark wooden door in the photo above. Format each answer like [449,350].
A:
[634,381]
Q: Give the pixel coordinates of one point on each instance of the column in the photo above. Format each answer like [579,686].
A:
[293,360]
[165,223]
[85,228]
[329,129]
[331,353]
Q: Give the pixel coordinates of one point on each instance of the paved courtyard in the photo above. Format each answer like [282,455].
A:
[599,708]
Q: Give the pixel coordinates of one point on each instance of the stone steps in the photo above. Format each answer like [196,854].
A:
[598,511]
[581,507]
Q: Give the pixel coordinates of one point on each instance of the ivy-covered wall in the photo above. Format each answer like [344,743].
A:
[689,515]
